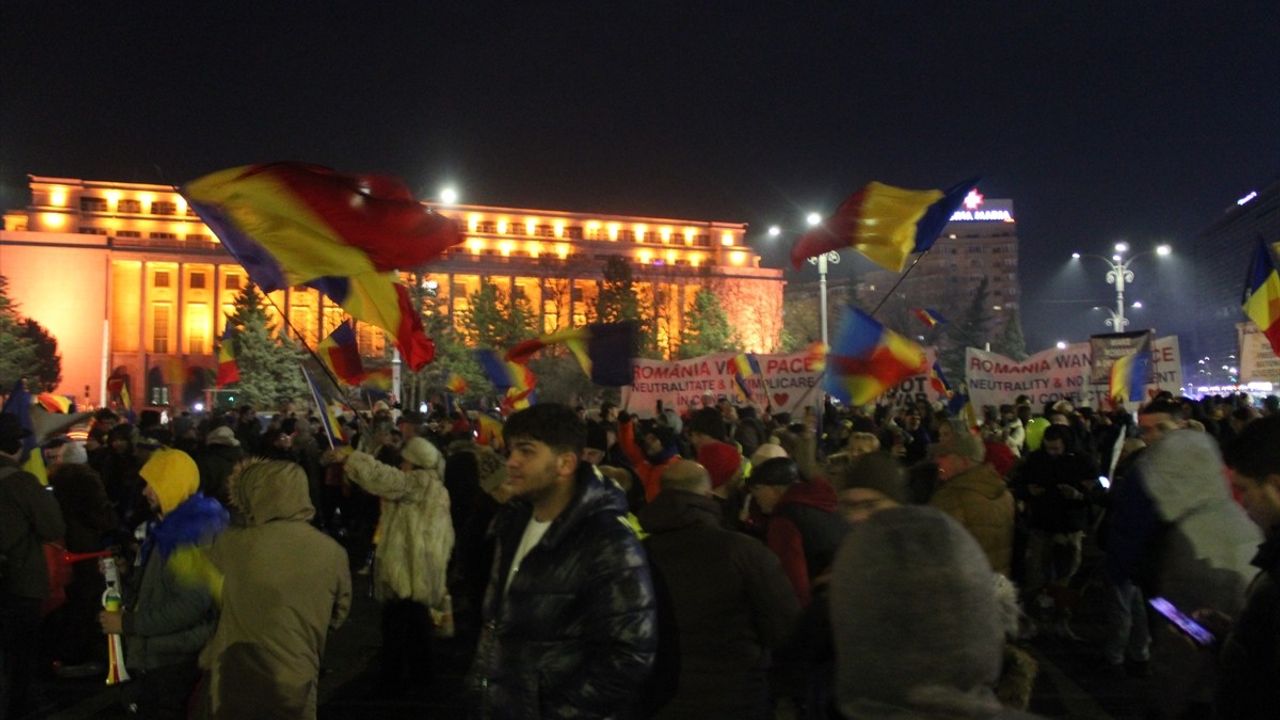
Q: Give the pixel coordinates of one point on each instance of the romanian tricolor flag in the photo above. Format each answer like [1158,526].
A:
[54,403]
[379,379]
[456,384]
[930,317]
[228,368]
[19,405]
[604,350]
[332,427]
[885,223]
[939,381]
[341,354]
[515,379]
[744,365]
[1262,294]
[1130,374]
[488,430]
[868,359]
[294,224]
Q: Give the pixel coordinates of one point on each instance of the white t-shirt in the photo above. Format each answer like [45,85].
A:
[533,533]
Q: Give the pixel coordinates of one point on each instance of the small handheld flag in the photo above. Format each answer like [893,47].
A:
[1130,374]
[456,384]
[228,368]
[604,350]
[930,317]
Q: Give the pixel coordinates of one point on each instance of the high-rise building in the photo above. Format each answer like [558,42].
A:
[980,241]
[1221,254]
[132,283]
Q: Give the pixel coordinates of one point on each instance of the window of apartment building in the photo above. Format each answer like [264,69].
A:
[93,231]
[197,281]
[93,204]
[573,232]
[163,236]
[198,237]
[703,240]
[128,206]
[160,321]
[232,282]
[128,234]
[162,279]
[163,207]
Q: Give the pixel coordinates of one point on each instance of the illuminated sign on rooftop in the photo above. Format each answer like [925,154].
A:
[977,208]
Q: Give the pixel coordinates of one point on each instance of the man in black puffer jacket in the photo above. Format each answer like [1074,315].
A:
[569,616]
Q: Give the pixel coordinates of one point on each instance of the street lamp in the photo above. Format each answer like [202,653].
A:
[1062,345]
[774,231]
[1119,273]
[448,196]
[813,219]
[833,257]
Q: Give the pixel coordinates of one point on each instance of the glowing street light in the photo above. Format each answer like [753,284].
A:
[774,231]
[1120,272]
[1075,256]
[1163,250]
[813,219]
[1062,344]
[448,196]
[1122,247]
[1136,304]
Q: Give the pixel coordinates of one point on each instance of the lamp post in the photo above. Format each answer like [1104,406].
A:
[1120,273]
[833,257]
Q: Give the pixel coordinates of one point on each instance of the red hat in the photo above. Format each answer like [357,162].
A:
[721,461]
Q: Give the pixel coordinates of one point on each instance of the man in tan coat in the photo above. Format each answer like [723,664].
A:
[282,585]
[974,494]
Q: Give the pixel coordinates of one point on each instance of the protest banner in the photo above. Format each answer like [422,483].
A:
[787,382]
[916,388]
[1258,362]
[1106,349]
[1053,374]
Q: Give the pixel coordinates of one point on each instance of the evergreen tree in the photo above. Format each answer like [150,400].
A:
[969,330]
[452,354]
[17,353]
[706,327]
[492,321]
[800,322]
[269,364]
[616,299]
[1010,342]
[47,370]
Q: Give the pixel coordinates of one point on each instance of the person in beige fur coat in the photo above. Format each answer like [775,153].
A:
[412,557]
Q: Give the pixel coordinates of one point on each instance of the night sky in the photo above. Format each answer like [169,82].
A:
[1102,121]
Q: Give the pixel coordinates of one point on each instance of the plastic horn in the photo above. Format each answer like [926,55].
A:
[111,602]
[72,558]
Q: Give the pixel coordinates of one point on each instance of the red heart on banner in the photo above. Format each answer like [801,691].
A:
[780,399]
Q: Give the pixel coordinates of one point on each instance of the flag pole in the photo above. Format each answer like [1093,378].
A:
[901,277]
[303,342]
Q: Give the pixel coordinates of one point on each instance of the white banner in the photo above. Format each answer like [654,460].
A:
[1258,362]
[1052,375]
[786,382]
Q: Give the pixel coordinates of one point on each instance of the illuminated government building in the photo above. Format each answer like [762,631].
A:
[133,284]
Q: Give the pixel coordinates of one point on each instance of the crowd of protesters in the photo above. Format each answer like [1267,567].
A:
[724,561]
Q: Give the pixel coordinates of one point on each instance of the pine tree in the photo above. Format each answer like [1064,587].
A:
[706,327]
[1011,343]
[269,363]
[616,299]
[48,366]
[970,330]
[452,354]
[17,353]
[492,321]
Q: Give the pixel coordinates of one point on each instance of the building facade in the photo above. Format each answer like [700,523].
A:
[133,284]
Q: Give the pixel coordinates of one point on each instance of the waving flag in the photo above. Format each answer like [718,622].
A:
[515,379]
[1262,294]
[885,223]
[341,354]
[456,384]
[744,365]
[930,317]
[228,368]
[939,381]
[19,405]
[867,359]
[604,350]
[815,356]
[488,430]
[294,224]
[54,403]
[332,428]
[379,379]
[1130,374]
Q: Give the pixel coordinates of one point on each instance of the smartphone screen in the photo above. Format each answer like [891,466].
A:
[1189,627]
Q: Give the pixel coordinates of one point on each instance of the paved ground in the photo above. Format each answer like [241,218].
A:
[1070,684]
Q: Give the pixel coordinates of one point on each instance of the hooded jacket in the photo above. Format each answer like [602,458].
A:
[978,499]
[731,603]
[1200,554]
[574,634]
[1250,657]
[29,517]
[804,531]
[916,621]
[417,533]
[647,469]
[284,585]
